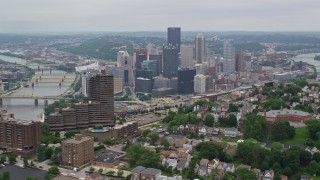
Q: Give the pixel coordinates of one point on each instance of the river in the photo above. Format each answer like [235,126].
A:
[25,108]
[309,58]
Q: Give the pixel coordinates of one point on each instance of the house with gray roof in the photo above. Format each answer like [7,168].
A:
[231,132]
[150,174]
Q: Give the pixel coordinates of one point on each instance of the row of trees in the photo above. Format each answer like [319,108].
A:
[109,173]
[290,161]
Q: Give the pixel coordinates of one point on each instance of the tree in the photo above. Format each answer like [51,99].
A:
[48,152]
[276,147]
[314,168]
[313,127]
[301,82]
[316,157]
[229,121]
[32,178]
[229,176]
[40,154]
[2,159]
[209,120]
[120,173]
[146,132]
[282,130]
[25,162]
[54,160]
[274,104]
[12,158]
[100,171]
[108,141]
[139,155]
[233,108]
[54,170]
[92,169]
[210,150]
[254,127]
[305,157]
[244,174]
[153,137]
[165,143]
[110,173]
[71,133]
[250,152]
[6,175]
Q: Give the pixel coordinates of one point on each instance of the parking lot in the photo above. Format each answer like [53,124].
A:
[144,119]
[18,173]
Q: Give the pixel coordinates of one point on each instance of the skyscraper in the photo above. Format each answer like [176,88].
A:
[200,47]
[170,61]
[186,59]
[174,37]
[141,55]
[186,81]
[229,58]
[101,89]
[126,67]
[200,84]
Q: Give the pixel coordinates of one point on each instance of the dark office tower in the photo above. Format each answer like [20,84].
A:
[174,37]
[144,73]
[170,61]
[186,81]
[101,90]
[141,55]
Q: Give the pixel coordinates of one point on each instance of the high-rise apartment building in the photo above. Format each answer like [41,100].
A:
[77,151]
[174,37]
[186,81]
[200,84]
[170,61]
[229,59]
[186,59]
[200,47]
[99,109]
[19,136]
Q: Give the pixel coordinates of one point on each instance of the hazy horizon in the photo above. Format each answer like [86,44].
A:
[33,16]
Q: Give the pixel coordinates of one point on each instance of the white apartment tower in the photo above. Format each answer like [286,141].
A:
[186,58]
[229,58]
[200,48]
[200,84]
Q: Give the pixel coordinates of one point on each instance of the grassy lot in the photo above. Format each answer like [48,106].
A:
[229,139]
[299,138]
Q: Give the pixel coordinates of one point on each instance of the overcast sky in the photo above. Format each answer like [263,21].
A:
[156,15]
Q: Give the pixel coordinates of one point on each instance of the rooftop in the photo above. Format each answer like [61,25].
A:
[77,139]
[150,171]
[274,113]
[138,169]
